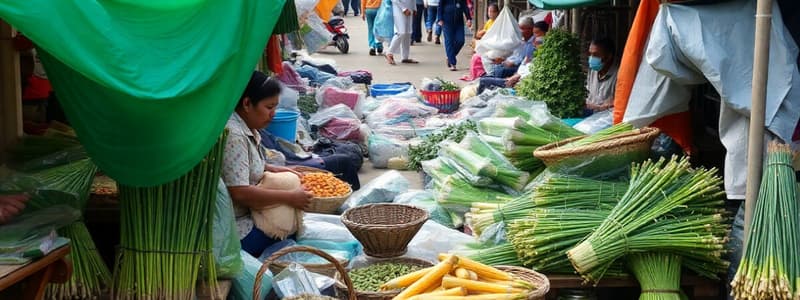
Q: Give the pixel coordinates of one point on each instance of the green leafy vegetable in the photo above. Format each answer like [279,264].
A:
[429,148]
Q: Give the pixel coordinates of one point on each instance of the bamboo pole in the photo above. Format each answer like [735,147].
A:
[755,151]
[10,91]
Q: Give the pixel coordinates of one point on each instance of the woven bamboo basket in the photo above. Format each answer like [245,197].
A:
[384,229]
[599,157]
[538,280]
[323,205]
[342,291]
[257,286]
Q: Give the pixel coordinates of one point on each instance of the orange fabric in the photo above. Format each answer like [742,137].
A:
[324,9]
[370,4]
[274,59]
[677,126]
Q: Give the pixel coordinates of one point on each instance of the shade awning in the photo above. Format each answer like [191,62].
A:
[562,4]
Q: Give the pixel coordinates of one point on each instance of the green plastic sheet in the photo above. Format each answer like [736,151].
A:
[562,4]
[148,85]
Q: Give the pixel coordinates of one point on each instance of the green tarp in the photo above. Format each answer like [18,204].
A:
[147,84]
[562,4]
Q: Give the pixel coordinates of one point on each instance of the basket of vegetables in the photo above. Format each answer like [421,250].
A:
[442,94]
[457,277]
[384,229]
[329,192]
[367,281]
[268,264]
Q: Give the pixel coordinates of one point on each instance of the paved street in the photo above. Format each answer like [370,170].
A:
[431,58]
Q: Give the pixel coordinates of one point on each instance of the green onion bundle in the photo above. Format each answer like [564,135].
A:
[458,195]
[558,191]
[517,131]
[770,268]
[166,234]
[90,275]
[484,164]
[601,135]
[507,173]
[659,275]
[642,220]
[498,255]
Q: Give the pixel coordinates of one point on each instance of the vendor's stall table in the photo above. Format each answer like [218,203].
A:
[35,275]
[696,287]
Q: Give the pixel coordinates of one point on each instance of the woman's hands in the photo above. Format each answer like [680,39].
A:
[279,169]
[11,206]
[300,198]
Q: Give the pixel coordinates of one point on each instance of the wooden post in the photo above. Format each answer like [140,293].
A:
[10,90]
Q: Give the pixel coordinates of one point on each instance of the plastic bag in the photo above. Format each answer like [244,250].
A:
[425,200]
[665,146]
[294,280]
[242,285]
[343,83]
[494,234]
[382,148]
[383,28]
[596,122]
[468,91]
[288,98]
[226,238]
[342,129]
[394,111]
[380,190]
[314,34]
[434,238]
[325,227]
[323,116]
[314,75]
[329,95]
[32,235]
[305,6]
[502,39]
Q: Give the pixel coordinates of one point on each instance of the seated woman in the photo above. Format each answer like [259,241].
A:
[476,69]
[243,163]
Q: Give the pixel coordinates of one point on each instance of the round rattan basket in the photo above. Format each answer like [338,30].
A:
[342,291]
[384,229]
[328,269]
[538,280]
[257,286]
[599,157]
[323,205]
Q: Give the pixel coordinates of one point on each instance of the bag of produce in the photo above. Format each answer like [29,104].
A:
[242,285]
[324,116]
[329,95]
[380,190]
[502,39]
[426,200]
[382,148]
[342,129]
[226,239]
[596,122]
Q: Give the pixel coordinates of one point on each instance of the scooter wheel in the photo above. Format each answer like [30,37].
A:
[343,45]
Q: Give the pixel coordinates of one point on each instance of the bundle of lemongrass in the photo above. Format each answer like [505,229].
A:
[668,207]
[659,275]
[556,191]
[770,268]
[166,234]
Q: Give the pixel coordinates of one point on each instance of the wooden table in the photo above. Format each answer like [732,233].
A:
[28,281]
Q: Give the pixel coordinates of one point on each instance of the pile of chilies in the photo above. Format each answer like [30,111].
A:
[166,234]
[770,268]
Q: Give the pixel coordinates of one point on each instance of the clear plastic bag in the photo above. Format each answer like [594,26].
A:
[596,122]
[330,95]
[343,83]
[383,28]
[314,34]
[426,200]
[294,280]
[380,190]
[305,6]
[33,234]
[226,239]
[325,227]
[502,39]
[383,148]
[337,111]
[288,98]
[494,234]
[242,285]
[394,111]
[342,129]
[434,238]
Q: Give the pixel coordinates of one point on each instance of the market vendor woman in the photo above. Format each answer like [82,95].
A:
[244,162]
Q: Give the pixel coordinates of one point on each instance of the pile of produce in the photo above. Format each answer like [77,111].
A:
[456,192]
[659,275]
[459,278]
[370,278]
[474,158]
[165,234]
[439,85]
[324,185]
[770,268]
[429,147]
[670,208]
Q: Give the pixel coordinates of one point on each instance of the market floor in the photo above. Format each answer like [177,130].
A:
[431,57]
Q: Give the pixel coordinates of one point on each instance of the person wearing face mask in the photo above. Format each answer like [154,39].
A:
[602,78]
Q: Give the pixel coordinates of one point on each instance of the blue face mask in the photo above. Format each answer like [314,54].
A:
[595,63]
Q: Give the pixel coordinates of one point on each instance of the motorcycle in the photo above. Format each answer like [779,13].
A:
[336,27]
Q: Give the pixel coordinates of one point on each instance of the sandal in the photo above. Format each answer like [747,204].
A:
[390,59]
[409,61]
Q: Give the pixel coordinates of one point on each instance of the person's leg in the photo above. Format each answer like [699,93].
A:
[430,19]
[458,41]
[356,7]
[370,14]
[437,29]
[256,241]
[406,33]
[346,5]
[417,24]
[344,168]
[490,83]
[448,30]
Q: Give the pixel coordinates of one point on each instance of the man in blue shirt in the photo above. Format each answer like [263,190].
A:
[508,67]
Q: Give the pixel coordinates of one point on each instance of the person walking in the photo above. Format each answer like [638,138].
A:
[431,21]
[403,11]
[419,18]
[355,4]
[369,9]
[451,17]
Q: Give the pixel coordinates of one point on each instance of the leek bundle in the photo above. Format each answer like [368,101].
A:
[166,234]
[484,164]
[498,255]
[458,195]
[441,169]
[558,191]
[642,220]
[508,174]
[770,267]
[521,156]
[659,275]
[517,131]
[543,119]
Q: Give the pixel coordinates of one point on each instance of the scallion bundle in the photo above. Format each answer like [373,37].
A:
[484,164]
[458,195]
[506,173]
[659,275]
[642,220]
[770,268]
[166,234]
[601,135]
